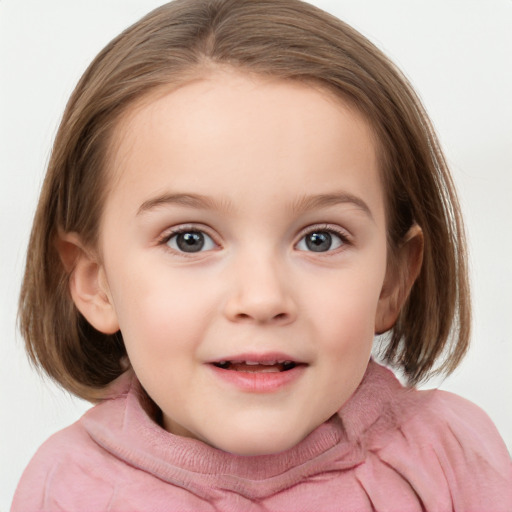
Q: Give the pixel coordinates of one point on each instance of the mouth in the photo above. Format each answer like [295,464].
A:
[257,366]
[262,373]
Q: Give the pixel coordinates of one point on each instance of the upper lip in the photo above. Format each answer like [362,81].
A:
[267,358]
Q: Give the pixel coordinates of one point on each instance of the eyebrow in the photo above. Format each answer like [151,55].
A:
[324,200]
[301,205]
[189,200]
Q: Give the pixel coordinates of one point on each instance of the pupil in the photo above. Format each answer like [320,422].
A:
[319,242]
[192,241]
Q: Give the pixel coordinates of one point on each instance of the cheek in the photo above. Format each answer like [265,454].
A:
[348,303]
[155,308]
[345,316]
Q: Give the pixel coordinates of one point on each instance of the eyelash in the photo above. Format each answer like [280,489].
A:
[344,237]
[169,235]
[324,228]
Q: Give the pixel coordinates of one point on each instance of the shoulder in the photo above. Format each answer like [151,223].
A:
[447,445]
[72,470]
[450,421]
[68,462]
[463,419]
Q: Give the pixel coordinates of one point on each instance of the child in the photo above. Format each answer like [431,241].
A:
[241,195]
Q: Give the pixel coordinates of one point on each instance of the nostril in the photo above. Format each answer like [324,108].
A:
[244,316]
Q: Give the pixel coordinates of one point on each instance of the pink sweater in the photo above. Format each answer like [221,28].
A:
[388,449]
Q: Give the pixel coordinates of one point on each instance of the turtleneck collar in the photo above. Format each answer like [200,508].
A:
[125,428]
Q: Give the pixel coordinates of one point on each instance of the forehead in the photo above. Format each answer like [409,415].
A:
[232,131]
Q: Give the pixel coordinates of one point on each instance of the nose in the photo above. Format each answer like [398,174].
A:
[260,293]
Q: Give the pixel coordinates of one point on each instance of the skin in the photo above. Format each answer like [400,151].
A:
[272,162]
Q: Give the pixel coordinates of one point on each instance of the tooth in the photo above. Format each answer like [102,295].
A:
[270,362]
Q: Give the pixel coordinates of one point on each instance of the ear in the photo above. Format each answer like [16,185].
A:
[400,276]
[87,283]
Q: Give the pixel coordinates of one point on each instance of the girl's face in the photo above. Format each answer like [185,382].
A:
[243,249]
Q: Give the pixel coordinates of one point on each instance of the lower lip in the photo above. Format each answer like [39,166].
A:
[259,382]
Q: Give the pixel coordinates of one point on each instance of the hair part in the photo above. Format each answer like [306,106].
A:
[285,39]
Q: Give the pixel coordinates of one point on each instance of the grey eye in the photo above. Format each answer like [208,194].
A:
[191,241]
[320,241]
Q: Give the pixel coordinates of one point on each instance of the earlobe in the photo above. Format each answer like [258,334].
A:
[400,278]
[87,284]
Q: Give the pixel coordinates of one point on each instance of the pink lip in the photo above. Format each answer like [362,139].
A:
[259,382]
[262,357]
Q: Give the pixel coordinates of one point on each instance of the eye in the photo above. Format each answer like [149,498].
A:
[321,241]
[190,241]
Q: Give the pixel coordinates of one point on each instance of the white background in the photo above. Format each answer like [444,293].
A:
[458,55]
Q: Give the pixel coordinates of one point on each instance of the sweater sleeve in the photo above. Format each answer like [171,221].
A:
[64,475]
[474,457]
[450,451]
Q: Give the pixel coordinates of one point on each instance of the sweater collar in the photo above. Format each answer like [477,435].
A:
[124,427]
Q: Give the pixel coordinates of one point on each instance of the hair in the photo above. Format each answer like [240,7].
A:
[286,39]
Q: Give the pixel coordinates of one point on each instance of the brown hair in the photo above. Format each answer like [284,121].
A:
[287,39]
